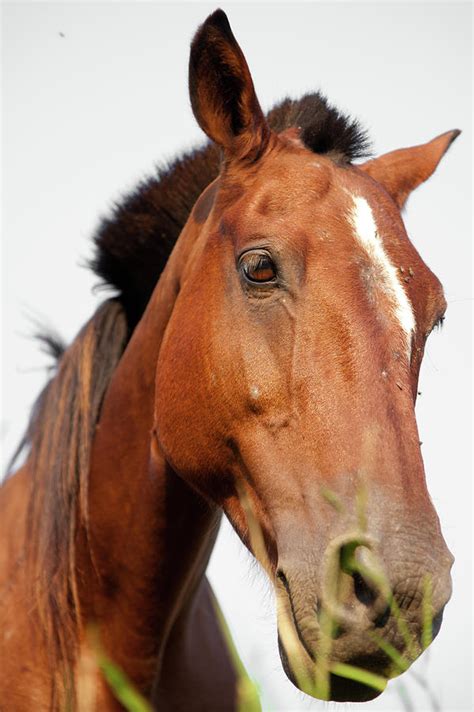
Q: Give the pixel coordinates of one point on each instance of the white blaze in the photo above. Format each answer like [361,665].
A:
[365,228]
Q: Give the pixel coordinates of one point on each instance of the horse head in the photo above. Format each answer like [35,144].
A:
[287,379]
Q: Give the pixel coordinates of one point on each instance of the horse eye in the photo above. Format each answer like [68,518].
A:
[258,266]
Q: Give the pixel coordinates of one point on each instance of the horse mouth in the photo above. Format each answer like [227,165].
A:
[336,687]
[331,665]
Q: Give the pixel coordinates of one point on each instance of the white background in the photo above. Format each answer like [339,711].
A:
[85,115]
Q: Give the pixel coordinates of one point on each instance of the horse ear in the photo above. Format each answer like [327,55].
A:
[402,171]
[222,93]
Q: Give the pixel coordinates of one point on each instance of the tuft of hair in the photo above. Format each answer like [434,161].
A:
[133,244]
[323,128]
[60,437]
[51,344]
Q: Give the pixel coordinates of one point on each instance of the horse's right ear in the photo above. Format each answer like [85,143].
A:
[222,93]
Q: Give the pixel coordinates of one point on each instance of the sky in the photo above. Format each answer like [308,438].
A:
[95,95]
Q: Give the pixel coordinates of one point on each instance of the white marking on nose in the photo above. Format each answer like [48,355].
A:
[365,228]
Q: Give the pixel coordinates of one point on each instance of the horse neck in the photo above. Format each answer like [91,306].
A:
[150,536]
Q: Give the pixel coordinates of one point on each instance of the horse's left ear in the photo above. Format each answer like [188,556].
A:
[222,93]
[402,171]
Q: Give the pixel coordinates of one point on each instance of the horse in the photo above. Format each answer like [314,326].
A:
[260,359]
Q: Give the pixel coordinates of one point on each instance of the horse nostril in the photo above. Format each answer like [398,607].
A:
[362,591]
[354,583]
[436,623]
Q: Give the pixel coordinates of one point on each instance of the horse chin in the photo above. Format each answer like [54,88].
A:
[344,690]
[301,671]
[303,665]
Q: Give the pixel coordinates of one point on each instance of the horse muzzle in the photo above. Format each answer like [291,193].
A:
[345,632]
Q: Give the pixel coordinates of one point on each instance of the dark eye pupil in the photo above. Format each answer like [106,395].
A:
[259,268]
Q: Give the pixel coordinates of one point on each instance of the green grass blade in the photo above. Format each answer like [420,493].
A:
[427,612]
[121,686]
[350,672]
[400,661]
[248,696]
[409,640]
[332,499]
[404,697]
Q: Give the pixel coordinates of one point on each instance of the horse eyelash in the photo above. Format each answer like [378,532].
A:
[439,323]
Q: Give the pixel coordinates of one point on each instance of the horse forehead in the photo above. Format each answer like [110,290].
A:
[289,183]
[306,189]
[278,200]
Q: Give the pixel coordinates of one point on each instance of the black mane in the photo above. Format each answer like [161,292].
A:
[134,243]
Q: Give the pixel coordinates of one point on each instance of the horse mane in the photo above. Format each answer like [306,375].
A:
[131,249]
[60,436]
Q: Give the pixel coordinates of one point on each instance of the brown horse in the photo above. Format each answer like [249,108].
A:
[261,359]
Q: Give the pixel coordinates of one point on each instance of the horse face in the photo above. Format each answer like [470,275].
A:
[287,380]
